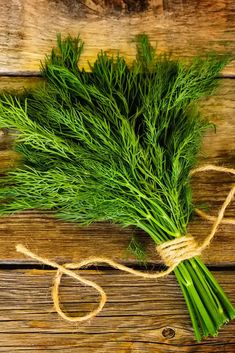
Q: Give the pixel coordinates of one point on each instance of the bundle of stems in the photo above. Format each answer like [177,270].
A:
[117,144]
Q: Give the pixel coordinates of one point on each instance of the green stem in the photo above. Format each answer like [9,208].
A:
[230,310]
[189,305]
[195,297]
[201,286]
[208,305]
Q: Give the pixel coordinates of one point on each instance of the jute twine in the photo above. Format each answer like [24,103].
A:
[172,253]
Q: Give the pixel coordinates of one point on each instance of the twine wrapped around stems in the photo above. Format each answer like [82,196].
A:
[172,253]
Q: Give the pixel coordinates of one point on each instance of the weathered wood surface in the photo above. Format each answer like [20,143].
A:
[28,28]
[18,83]
[138,317]
[67,242]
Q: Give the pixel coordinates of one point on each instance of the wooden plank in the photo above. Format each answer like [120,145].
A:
[136,318]
[8,83]
[67,242]
[141,316]
[28,28]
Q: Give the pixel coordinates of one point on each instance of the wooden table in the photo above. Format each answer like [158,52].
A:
[140,316]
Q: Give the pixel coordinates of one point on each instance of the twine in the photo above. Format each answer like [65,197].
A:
[172,253]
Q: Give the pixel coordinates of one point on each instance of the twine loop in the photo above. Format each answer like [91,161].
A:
[172,253]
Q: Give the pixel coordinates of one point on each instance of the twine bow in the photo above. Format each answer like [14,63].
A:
[172,253]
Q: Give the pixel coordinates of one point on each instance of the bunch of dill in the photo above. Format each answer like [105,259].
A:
[117,144]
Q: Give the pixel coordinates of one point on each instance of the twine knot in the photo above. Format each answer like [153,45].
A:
[172,253]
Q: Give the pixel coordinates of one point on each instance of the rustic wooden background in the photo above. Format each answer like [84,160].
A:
[140,316]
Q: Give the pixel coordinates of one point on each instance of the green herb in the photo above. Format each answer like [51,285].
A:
[117,144]
[137,248]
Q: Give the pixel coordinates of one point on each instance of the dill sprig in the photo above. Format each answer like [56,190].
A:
[117,144]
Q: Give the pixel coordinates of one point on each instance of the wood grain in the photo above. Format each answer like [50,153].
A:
[18,83]
[28,28]
[136,318]
[140,316]
[67,242]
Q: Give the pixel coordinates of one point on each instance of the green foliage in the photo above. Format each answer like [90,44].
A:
[115,144]
[138,249]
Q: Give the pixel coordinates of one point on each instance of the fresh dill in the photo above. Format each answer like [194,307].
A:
[117,144]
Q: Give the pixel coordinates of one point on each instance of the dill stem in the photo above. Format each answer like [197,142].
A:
[189,305]
[229,308]
[196,297]
[208,305]
[205,295]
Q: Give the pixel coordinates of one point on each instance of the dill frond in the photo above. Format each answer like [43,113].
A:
[115,144]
